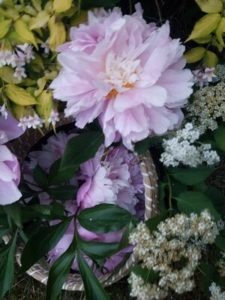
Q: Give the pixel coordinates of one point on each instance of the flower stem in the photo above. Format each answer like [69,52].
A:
[170,192]
[159,11]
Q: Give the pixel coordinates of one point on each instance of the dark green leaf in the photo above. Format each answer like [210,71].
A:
[220,242]
[42,242]
[93,288]
[59,272]
[154,222]
[149,276]
[59,176]
[3,231]
[191,176]
[143,146]
[104,218]
[208,274]
[14,212]
[189,202]
[98,250]
[65,192]
[40,176]
[80,149]
[7,267]
[219,136]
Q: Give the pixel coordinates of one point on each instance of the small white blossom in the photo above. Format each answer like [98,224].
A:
[3,111]
[31,122]
[45,47]
[216,293]
[203,77]
[20,73]
[181,149]
[53,118]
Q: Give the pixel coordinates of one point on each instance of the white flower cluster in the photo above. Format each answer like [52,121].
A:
[182,149]
[3,111]
[17,59]
[173,251]
[220,72]
[208,105]
[221,265]
[216,293]
[204,76]
[36,122]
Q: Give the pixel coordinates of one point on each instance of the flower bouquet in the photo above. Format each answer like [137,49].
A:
[88,93]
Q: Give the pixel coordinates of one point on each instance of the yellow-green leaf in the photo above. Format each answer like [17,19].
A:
[45,104]
[40,20]
[60,6]
[20,111]
[194,55]
[24,32]
[79,18]
[36,4]
[57,33]
[205,26]
[220,31]
[210,6]
[4,27]
[7,74]
[210,59]
[19,95]
[204,40]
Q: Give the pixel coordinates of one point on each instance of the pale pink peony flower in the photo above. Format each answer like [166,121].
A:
[125,72]
[9,165]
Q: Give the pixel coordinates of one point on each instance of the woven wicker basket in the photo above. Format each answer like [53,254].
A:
[39,271]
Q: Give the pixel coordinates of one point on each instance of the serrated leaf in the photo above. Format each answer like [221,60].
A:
[105,218]
[59,272]
[93,288]
[210,59]
[194,55]
[42,242]
[60,6]
[205,26]
[19,95]
[4,27]
[220,31]
[210,6]
[40,20]
[24,32]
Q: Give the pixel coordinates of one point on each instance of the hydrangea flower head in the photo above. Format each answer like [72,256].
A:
[125,72]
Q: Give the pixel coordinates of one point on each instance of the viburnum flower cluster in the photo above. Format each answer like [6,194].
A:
[216,293]
[17,59]
[125,72]
[176,239]
[208,106]
[183,149]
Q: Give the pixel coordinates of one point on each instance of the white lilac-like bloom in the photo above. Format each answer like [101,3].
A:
[53,118]
[204,76]
[9,165]
[31,122]
[207,106]
[181,149]
[216,293]
[174,239]
[3,111]
[125,72]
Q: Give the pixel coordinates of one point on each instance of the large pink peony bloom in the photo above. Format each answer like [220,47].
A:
[125,72]
[9,166]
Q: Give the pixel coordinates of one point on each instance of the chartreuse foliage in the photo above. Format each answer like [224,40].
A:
[208,32]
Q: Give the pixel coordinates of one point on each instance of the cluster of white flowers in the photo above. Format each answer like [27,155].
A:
[182,149]
[207,106]
[220,72]
[17,59]
[173,251]
[204,76]
[53,118]
[216,293]
[3,111]
[221,265]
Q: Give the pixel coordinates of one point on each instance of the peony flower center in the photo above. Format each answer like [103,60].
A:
[121,73]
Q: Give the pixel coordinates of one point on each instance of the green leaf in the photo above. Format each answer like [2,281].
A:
[219,136]
[14,212]
[149,276]
[93,288]
[4,27]
[7,267]
[154,222]
[210,59]
[19,95]
[205,26]
[220,242]
[143,146]
[191,176]
[210,6]
[42,242]
[80,149]
[189,202]
[40,176]
[65,192]
[194,55]
[59,272]
[98,250]
[105,218]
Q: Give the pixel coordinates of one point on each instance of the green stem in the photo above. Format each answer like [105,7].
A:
[170,192]
[159,11]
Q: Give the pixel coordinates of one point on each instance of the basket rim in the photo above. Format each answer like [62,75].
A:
[39,271]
